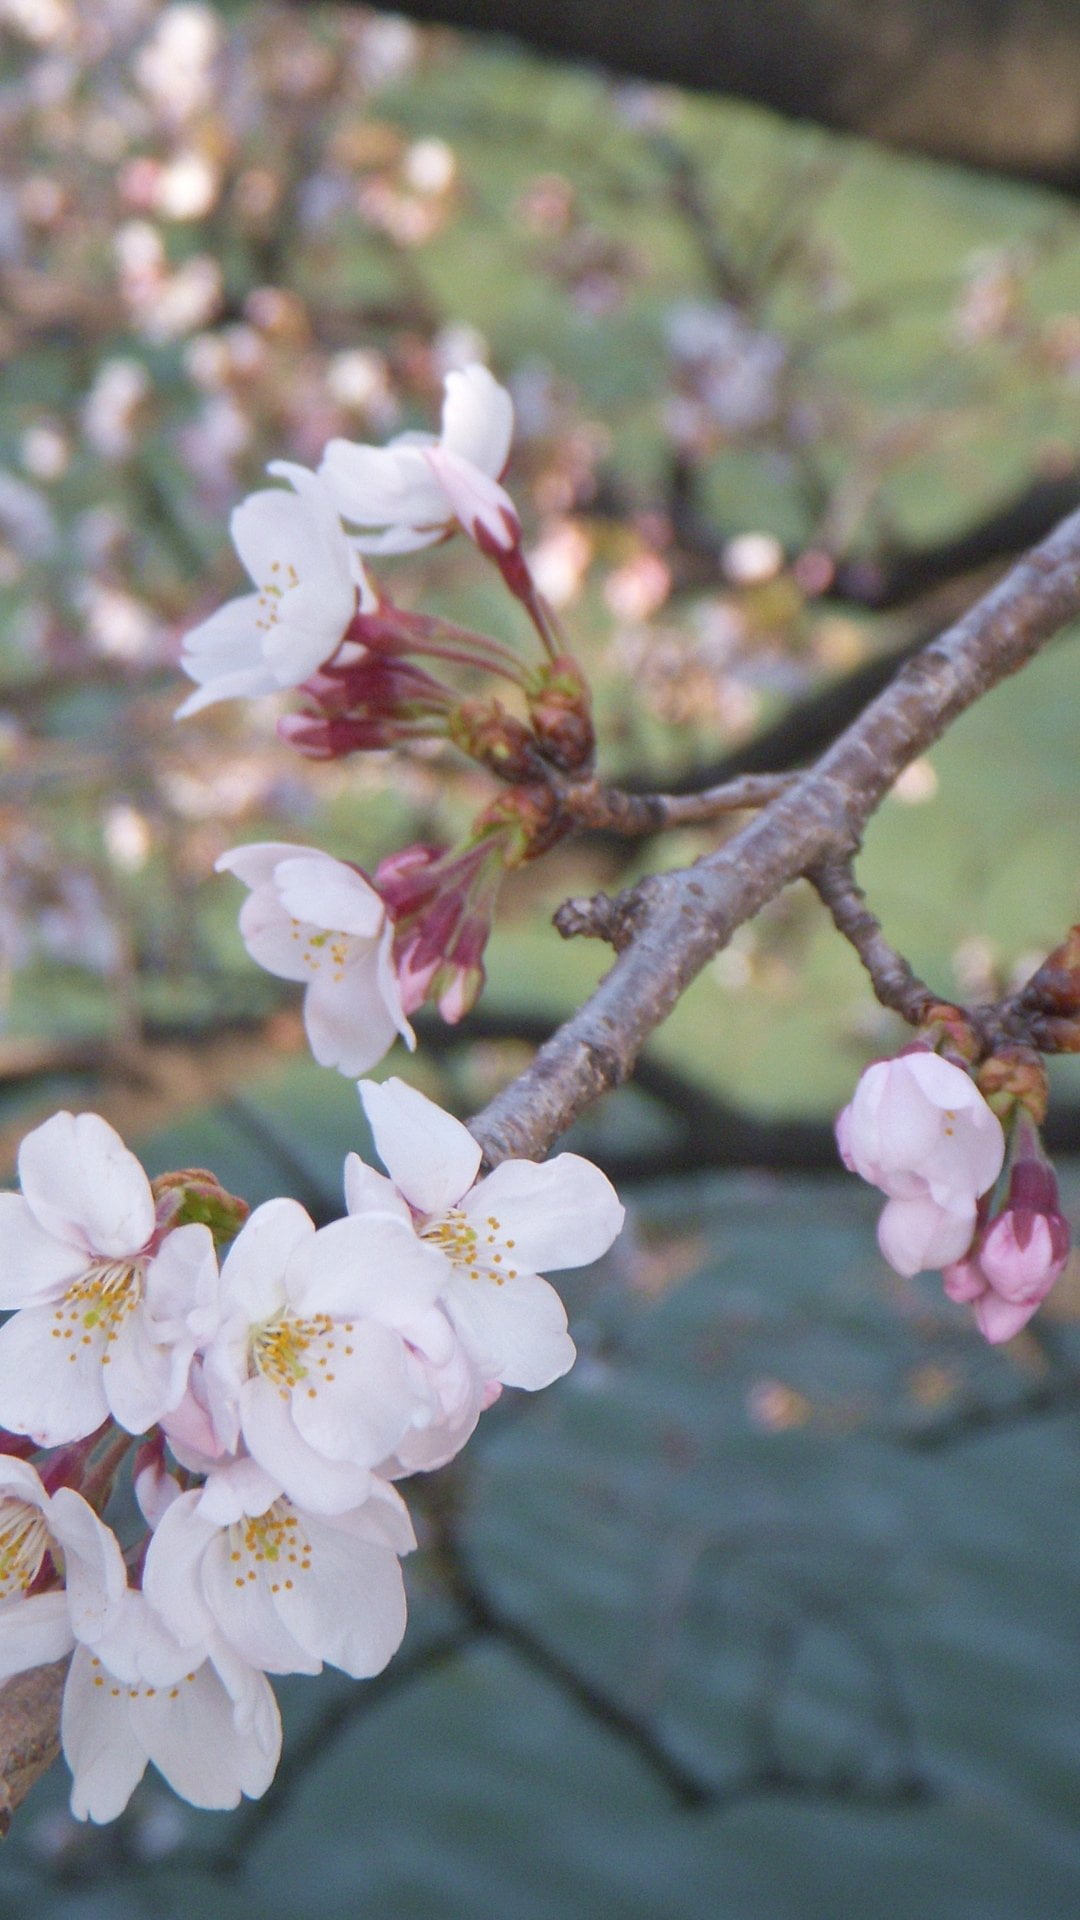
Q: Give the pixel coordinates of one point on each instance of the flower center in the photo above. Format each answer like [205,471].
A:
[322,945]
[120,1688]
[270,1545]
[24,1542]
[96,1305]
[478,1251]
[283,577]
[289,1350]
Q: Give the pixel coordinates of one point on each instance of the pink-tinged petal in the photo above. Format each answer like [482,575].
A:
[21,1481]
[367,1265]
[362,1414]
[347,1022]
[329,894]
[514,1333]
[248,684]
[478,419]
[194,1741]
[247,1610]
[350,1608]
[999,1319]
[308,1477]
[1021,1274]
[382,1519]
[382,486]
[51,1389]
[107,1761]
[915,1234]
[478,502]
[367,1191]
[431,1158]
[964,1281]
[551,1214]
[35,1267]
[253,1272]
[156,1490]
[33,1633]
[81,1184]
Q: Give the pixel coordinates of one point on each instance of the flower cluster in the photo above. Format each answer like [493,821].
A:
[270,1400]
[919,1129]
[372,950]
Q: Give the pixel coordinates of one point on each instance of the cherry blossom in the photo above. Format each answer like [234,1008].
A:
[415,488]
[1017,1256]
[309,1364]
[919,1129]
[206,1719]
[308,579]
[37,1528]
[495,1233]
[285,1589]
[109,1312]
[312,918]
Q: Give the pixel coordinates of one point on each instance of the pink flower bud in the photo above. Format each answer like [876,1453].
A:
[1019,1253]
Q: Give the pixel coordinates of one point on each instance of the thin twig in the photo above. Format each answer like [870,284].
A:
[895,983]
[612,810]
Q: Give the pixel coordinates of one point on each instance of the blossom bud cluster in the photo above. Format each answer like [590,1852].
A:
[271,1399]
[920,1130]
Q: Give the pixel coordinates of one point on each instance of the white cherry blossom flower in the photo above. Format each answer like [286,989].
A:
[36,1628]
[918,1128]
[415,488]
[206,1719]
[495,1233]
[285,1589]
[307,577]
[107,1320]
[311,918]
[309,1366]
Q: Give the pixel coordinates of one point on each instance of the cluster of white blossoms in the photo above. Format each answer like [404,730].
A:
[307,570]
[270,1401]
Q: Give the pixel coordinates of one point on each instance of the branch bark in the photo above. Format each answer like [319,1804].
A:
[675,922]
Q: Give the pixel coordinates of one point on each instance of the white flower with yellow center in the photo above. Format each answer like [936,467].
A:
[108,1317]
[62,1576]
[415,488]
[314,919]
[285,1589]
[309,1367]
[494,1234]
[308,582]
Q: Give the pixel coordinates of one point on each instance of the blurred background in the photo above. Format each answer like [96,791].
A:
[770,1608]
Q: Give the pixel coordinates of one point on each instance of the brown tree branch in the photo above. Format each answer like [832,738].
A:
[613,810]
[894,982]
[675,922]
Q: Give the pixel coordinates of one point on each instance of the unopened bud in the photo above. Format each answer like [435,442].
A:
[193,1196]
[487,733]
[1013,1078]
[561,713]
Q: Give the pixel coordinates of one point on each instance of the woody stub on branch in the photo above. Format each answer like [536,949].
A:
[267,1384]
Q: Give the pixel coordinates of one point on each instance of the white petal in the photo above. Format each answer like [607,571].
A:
[329,894]
[255,863]
[274,939]
[246,685]
[915,1234]
[81,1183]
[478,419]
[253,1272]
[368,1264]
[558,1213]
[383,486]
[319,1484]
[431,1158]
[94,1572]
[195,1742]
[350,1607]
[367,1191]
[34,1266]
[107,1761]
[34,1632]
[515,1333]
[247,1613]
[362,1413]
[181,1282]
[235,1488]
[347,1021]
[50,1389]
